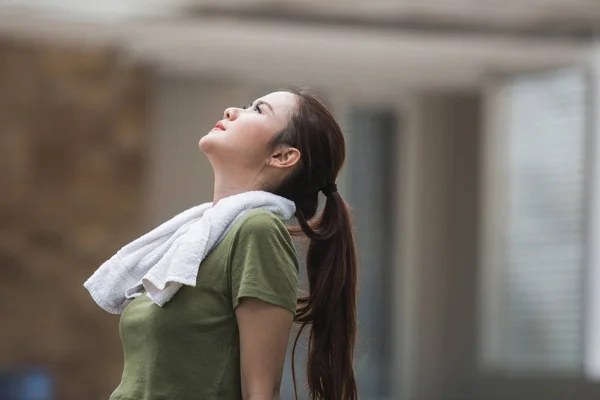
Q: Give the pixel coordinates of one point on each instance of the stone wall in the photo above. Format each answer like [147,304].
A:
[73,162]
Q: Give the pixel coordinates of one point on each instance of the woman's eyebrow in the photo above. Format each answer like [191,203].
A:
[261,102]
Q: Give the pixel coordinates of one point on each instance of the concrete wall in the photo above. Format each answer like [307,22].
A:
[439,242]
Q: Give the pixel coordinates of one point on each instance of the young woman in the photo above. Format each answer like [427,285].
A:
[223,334]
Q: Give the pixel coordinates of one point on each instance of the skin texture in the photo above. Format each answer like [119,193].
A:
[243,160]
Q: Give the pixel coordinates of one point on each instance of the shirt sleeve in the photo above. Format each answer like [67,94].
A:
[263,261]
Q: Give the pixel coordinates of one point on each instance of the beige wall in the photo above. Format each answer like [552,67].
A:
[439,245]
[185,109]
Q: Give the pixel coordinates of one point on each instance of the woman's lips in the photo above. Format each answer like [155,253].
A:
[219,125]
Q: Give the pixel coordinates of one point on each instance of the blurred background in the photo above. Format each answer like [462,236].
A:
[473,130]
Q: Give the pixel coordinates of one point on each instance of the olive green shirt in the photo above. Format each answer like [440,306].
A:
[189,348]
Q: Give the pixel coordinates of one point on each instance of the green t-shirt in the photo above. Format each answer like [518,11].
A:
[189,349]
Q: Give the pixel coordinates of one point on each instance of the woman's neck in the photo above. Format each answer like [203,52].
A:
[230,187]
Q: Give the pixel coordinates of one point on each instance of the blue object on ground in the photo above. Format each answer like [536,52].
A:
[25,385]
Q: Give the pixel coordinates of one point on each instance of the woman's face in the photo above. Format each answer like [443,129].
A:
[239,142]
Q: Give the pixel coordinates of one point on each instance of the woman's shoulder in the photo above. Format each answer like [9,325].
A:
[260,228]
[259,221]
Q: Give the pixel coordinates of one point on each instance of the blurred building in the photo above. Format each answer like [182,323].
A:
[472,170]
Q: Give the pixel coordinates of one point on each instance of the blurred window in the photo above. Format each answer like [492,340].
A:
[371,176]
[534,300]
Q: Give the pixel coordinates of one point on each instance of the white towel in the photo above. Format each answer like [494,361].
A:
[164,259]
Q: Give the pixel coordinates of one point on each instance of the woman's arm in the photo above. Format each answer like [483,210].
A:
[264,332]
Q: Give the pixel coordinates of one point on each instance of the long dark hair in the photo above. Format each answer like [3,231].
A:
[330,307]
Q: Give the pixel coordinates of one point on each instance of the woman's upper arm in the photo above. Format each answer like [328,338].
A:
[264,285]
[264,331]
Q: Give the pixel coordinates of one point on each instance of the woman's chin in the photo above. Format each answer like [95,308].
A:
[204,143]
[209,141]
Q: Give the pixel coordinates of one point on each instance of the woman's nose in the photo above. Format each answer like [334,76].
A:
[231,113]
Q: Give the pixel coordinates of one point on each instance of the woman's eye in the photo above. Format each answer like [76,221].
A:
[255,108]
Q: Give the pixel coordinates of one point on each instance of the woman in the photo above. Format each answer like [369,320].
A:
[223,334]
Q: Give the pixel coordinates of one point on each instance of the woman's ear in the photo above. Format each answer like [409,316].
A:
[284,157]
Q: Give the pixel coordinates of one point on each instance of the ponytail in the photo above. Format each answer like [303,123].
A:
[331,262]
[330,307]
